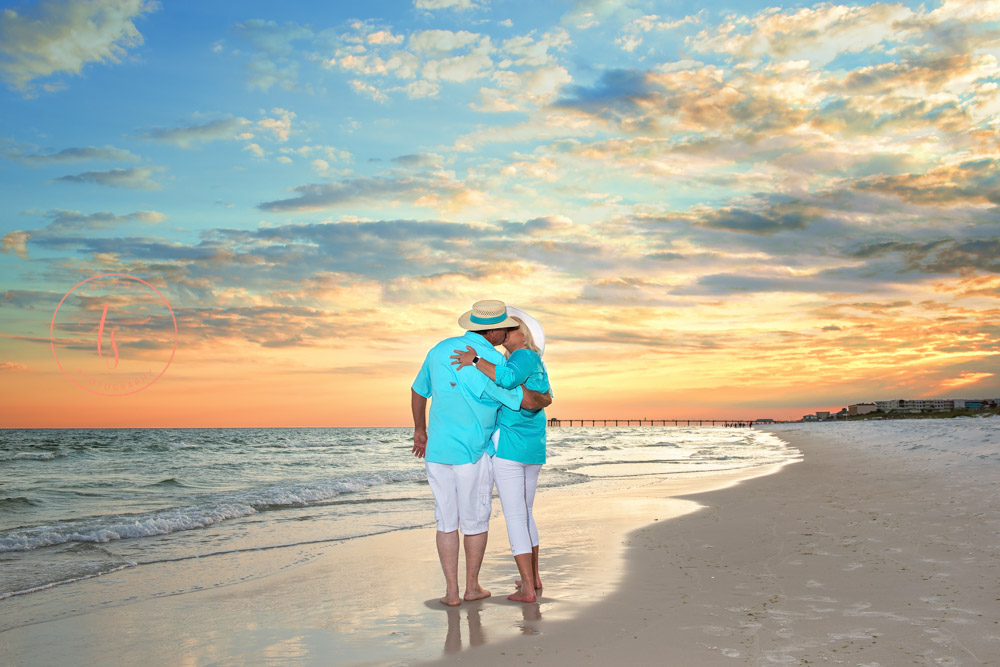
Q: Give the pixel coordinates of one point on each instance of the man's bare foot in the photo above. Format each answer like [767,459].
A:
[451,600]
[522,596]
[478,594]
[538,583]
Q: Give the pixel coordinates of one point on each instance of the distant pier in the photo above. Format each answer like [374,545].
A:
[657,422]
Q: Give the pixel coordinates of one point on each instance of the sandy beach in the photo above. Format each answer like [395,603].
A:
[880,547]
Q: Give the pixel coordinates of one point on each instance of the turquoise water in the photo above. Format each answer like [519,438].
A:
[81,503]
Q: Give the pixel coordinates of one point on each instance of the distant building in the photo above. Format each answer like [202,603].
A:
[822,414]
[810,418]
[861,408]
[916,405]
[763,421]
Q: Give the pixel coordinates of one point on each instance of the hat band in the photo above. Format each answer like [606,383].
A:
[488,320]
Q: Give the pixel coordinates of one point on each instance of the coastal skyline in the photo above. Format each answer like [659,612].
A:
[740,211]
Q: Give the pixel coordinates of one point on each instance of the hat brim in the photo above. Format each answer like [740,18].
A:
[534,326]
[465,321]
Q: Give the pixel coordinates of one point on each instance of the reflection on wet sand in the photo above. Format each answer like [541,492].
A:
[453,642]
[532,615]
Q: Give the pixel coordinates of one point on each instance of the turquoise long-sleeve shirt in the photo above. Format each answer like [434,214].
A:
[522,432]
[463,402]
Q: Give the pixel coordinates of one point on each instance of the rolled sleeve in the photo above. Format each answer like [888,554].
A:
[510,398]
[510,374]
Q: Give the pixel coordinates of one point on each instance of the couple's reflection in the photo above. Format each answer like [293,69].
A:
[529,625]
[532,614]
[453,642]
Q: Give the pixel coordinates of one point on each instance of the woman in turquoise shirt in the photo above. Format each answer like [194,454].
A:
[520,448]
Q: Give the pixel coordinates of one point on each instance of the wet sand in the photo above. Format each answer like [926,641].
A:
[853,556]
[372,600]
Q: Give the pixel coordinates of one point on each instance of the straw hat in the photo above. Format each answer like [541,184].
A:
[537,333]
[486,315]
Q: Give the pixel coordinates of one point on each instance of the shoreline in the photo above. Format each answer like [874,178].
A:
[372,600]
[851,556]
[873,553]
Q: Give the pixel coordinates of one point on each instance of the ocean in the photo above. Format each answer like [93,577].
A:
[79,504]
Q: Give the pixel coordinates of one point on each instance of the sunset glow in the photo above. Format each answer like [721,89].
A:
[743,211]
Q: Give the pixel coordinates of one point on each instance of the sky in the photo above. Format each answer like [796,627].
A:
[722,210]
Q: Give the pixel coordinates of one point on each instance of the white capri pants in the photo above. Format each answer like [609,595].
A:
[516,484]
[463,495]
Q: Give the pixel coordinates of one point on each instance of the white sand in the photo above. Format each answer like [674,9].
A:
[881,548]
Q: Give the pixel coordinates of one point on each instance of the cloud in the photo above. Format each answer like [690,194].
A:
[460,5]
[633,32]
[279,125]
[419,160]
[272,63]
[524,70]
[526,51]
[418,89]
[62,36]
[317,196]
[190,135]
[271,37]
[818,34]
[368,90]
[264,74]
[443,41]
[943,256]
[15,242]
[696,99]
[136,178]
[974,181]
[79,154]
[458,69]
[750,222]
[737,283]
[12,367]
[964,379]
[75,222]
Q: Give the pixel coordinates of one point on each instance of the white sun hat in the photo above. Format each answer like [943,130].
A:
[537,333]
[488,314]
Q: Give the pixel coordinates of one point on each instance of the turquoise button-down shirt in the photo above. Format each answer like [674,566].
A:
[464,403]
[522,432]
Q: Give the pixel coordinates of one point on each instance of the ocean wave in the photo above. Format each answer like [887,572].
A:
[219,508]
[181,445]
[171,482]
[14,503]
[52,584]
[31,456]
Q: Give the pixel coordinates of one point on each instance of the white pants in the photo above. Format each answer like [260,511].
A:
[463,495]
[516,483]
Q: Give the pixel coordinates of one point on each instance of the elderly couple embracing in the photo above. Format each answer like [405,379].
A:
[486,424]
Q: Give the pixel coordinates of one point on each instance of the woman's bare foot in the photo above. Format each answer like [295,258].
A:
[538,583]
[522,596]
[477,594]
[451,600]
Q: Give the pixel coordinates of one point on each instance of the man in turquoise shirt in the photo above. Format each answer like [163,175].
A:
[456,445]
